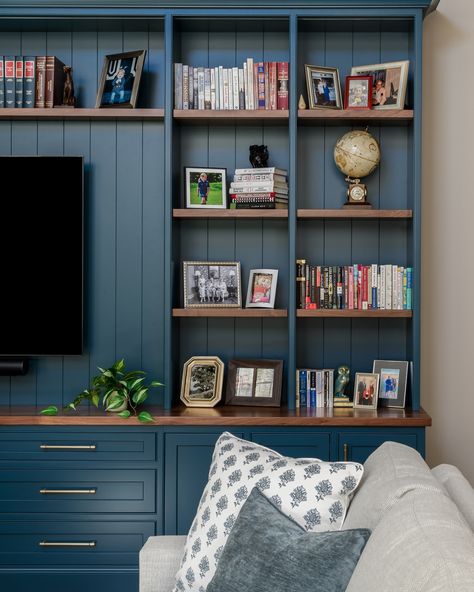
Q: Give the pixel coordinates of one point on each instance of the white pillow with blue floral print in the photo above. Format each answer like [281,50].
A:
[314,493]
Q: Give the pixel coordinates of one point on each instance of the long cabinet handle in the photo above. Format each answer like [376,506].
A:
[345,449]
[67,544]
[68,447]
[68,491]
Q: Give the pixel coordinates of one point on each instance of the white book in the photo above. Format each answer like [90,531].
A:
[388,287]
[221,87]
[262,171]
[235,86]
[213,88]
[278,179]
[201,88]
[241,89]
[216,76]
[178,86]
[191,87]
[207,88]
[246,100]
[394,287]
[382,288]
[263,188]
[231,88]
[226,88]
[195,89]
[400,287]
[250,83]
[185,86]
[374,282]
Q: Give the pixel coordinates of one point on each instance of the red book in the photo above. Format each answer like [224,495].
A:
[365,287]
[273,85]
[267,84]
[359,287]
[282,85]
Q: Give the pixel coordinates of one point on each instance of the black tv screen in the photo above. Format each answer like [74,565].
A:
[41,249]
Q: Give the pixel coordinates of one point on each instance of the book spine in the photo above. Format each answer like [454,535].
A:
[266,66]
[307,276]
[374,286]
[256,196]
[273,85]
[19,73]
[231,89]
[282,85]
[312,389]
[330,288]
[2,83]
[216,78]
[241,89]
[369,286]
[213,89]
[300,292]
[221,87]
[207,88]
[201,104]
[312,290]
[54,81]
[178,86]
[409,287]
[250,83]
[195,88]
[382,288]
[235,87]
[308,389]
[246,83]
[40,89]
[319,389]
[303,399]
[339,290]
[261,85]
[185,87]
[29,82]
[388,287]
[261,171]
[190,87]
[330,394]
[10,82]
[297,393]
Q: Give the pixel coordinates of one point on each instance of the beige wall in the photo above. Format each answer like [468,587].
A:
[448,234]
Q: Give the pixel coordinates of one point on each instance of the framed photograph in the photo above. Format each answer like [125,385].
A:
[212,284]
[262,288]
[393,382]
[324,87]
[358,92]
[201,384]
[205,187]
[366,388]
[254,382]
[120,79]
[389,83]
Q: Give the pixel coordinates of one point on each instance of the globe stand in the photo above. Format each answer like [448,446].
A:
[356,195]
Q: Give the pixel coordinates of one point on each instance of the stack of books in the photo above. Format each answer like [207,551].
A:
[31,81]
[353,287]
[314,388]
[257,85]
[259,188]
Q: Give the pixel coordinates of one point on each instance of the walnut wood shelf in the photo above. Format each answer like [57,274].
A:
[328,313]
[244,213]
[360,214]
[353,115]
[225,416]
[80,114]
[209,116]
[243,313]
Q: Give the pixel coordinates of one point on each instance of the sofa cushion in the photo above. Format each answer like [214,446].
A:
[268,552]
[422,544]
[159,560]
[459,489]
[315,494]
[389,473]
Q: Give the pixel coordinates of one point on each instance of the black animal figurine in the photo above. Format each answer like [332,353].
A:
[258,156]
[69,100]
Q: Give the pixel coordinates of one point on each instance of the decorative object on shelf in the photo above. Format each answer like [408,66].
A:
[342,380]
[366,388]
[358,92]
[69,100]
[301,103]
[254,382]
[357,154]
[212,284]
[201,384]
[121,392]
[324,87]
[120,79]
[389,83]
[262,288]
[259,188]
[258,156]
[205,187]
[393,382]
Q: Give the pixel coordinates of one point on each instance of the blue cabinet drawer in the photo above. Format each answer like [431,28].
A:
[296,443]
[359,445]
[72,543]
[70,445]
[78,490]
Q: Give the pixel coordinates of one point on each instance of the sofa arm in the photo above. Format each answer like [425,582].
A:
[159,561]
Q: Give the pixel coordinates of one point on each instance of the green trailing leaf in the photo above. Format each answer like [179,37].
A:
[156,383]
[119,365]
[124,414]
[115,402]
[141,396]
[145,417]
[133,374]
[71,406]
[95,399]
[133,384]
[51,410]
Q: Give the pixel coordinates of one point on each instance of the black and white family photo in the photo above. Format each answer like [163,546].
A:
[211,284]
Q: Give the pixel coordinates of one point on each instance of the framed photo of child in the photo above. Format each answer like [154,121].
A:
[393,382]
[389,83]
[262,288]
[358,92]
[366,389]
[205,187]
[120,80]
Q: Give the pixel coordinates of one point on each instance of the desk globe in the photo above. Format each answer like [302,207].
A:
[357,154]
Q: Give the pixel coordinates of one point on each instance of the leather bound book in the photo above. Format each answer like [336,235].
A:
[54,81]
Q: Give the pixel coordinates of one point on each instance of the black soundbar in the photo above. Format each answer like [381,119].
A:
[13,366]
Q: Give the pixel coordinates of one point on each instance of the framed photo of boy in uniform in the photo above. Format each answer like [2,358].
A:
[393,382]
[120,80]
[262,288]
[205,187]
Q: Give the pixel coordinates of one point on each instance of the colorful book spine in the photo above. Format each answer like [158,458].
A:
[282,85]
[303,388]
[19,82]
[250,97]
[261,85]
[207,88]
[190,87]
[235,87]
[2,83]
[312,389]
[10,82]
[273,85]
[29,81]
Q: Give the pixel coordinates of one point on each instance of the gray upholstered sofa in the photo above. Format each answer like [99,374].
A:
[422,526]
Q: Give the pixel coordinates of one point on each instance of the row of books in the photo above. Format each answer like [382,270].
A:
[264,188]
[257,85]
[315,388]
[354,287]
[31,81]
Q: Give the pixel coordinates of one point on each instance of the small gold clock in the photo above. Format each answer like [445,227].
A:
[357,195]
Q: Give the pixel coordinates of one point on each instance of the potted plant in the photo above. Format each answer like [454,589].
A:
[121,392]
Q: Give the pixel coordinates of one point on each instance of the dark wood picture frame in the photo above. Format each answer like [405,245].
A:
[349,79]
[105,80]
[254,388]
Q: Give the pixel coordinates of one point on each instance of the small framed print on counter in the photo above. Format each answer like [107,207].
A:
[393,382]
[254,382]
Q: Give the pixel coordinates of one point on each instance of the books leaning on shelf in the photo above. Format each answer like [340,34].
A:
[353,287]
[257,85]
[31,81]
[314,388]
[265,188]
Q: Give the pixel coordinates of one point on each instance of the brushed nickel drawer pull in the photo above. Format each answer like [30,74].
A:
[68,491]
[68,447]
[66,544]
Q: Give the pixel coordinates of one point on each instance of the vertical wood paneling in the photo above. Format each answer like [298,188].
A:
[85,57]
[154,91]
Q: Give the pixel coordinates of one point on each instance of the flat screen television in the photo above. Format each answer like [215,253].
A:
[41,250]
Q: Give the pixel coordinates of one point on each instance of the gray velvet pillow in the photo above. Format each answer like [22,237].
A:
[267,552]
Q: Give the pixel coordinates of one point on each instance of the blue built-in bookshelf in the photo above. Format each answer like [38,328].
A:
[137,233]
